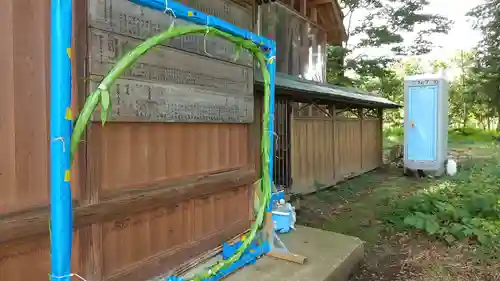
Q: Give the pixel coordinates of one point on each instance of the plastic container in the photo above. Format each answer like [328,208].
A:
[284,218]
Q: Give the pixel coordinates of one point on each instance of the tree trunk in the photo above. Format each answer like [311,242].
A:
[466,116]
[483,121]
[498,121]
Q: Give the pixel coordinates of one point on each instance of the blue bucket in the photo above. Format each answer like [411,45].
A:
[282,221]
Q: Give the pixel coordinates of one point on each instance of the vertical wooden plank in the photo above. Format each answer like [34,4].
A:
[361,135]
[304,48]
[322,36]
[335,140]
[381,137]
[91,251]
[255,134]
[78,91]
[293,147]
[87,160]
[31,101]
[26,122]
[314,15]
[7,126]
[303,7]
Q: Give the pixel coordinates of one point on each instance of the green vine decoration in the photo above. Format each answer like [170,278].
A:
[102,96]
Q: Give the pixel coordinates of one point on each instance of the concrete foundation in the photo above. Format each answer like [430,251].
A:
[330,257]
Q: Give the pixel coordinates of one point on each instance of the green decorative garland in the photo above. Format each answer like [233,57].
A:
[102,96]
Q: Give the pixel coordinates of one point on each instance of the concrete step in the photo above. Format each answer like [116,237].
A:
[330,257]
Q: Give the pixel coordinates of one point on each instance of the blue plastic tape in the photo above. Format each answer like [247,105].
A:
[61,223]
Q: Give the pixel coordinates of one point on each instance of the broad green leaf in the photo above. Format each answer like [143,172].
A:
[449,239]
[431,227]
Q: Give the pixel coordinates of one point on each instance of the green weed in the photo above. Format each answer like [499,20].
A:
[465,207]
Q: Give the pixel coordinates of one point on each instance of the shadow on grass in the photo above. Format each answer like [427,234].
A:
[352,208]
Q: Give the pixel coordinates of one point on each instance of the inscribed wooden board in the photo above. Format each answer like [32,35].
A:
[171,85]
[137,101]
[126,18]
[162,64]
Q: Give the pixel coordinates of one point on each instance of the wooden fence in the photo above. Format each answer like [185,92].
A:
[327,149]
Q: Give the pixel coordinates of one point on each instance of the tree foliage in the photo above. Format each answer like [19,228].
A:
[474,92]
[486,71]
[382,27]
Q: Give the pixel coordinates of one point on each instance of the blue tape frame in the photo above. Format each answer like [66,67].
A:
[61,215]
[61,124]
[269,46]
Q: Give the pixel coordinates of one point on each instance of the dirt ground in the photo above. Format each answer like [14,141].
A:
[354,208]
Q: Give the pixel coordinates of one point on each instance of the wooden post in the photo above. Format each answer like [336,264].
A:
[88,158]
[381,120]
[304,48]
[322,36]
[314,15]
[269,232]
[303,7]
[314,43]
[334,125]
[293,106]
[361,118]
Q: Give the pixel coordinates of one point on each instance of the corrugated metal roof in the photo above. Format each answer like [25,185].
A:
[329,92]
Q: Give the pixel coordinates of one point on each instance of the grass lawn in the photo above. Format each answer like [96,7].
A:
[426,229]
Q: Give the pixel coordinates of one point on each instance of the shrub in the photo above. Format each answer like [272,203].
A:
[459,135]
[471,135]
[455,209]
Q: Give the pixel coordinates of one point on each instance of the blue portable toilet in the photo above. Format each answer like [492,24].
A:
[426,123]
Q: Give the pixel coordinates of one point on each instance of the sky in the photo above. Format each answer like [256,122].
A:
[461,36]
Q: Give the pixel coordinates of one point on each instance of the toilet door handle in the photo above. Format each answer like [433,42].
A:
[412,124]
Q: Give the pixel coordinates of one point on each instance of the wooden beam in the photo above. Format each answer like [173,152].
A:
[319,2]
[172,258]
[35,222]
[287,256]
[194,262]
[339,17]
[331,17]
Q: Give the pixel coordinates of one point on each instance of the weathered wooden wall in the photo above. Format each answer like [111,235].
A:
[313,144]
[371,140]
[147,196]
[348,147]
[24,130]
[327,149]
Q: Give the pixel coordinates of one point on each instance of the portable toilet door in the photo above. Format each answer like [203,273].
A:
[426,123]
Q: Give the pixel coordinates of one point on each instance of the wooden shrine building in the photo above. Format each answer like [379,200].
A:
[170,177]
